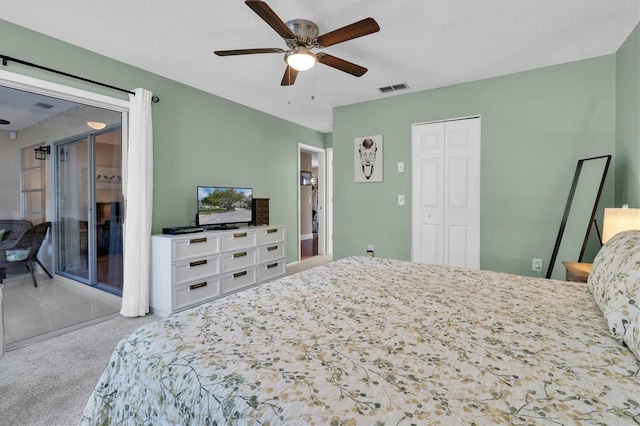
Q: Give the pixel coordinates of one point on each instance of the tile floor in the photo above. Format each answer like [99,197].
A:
[56,306]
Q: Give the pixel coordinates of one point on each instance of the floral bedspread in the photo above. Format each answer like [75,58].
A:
[370,342]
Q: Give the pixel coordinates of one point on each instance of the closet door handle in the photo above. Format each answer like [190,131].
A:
[198,263]
[197,240]
[241,254]
[239,274]
[272,248]
[240,235]
[271,231]
[272,265]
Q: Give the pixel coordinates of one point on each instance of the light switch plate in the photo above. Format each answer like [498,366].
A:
[401,200]
[400,166]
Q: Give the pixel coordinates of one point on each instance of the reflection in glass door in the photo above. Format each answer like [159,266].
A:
[88,211]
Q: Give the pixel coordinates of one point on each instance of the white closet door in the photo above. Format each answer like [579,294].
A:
[427,193]
[446,193]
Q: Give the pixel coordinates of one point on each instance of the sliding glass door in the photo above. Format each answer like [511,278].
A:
[88,209]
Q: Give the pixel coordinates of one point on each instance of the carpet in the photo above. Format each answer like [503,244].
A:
[49,383]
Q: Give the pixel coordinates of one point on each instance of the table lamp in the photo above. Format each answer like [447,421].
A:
[618,220]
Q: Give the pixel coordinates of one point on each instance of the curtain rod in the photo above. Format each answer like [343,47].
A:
[5,59]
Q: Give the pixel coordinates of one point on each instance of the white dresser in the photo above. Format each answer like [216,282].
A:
[190,269]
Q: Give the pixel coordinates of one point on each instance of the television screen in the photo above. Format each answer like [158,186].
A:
[219,207]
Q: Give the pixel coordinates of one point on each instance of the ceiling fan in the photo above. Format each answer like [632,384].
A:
[301,36]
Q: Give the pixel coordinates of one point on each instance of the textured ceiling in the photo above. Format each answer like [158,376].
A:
[423,43]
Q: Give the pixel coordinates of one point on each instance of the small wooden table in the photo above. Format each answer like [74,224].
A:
[576,271]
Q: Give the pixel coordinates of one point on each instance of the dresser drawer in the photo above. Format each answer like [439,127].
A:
[270,270]
[196,246]
[194,269]
[238,259]
[238,240]
[270,252]
[196,292]
[270,235]
[233,281]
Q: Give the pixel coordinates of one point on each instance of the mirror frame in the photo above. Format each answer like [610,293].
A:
[567,209]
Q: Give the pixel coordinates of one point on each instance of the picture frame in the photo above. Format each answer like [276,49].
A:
[305,178]
[367,159]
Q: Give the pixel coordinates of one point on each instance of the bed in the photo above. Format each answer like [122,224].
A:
[372,341]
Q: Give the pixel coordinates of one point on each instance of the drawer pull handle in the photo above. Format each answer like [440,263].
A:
[272,248]
[240,235]
[198,263]
[244,253]
[239,274]
[272,265]
[197,240]
[271,231]
[194,286]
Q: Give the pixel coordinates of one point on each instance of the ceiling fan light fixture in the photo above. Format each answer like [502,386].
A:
[300,59]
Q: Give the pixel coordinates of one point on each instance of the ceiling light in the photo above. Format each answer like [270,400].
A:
[96,125]
[300,59]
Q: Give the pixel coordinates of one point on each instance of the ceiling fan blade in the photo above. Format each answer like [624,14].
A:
[247,51]
[269,16]
[289,76]
[341,64]
[355,30]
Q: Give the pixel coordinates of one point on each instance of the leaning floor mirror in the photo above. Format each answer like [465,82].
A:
[579,218]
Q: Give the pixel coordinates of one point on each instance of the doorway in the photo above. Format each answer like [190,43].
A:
[312,214]
[57,305]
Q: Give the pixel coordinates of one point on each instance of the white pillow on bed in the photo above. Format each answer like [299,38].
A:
[614,281]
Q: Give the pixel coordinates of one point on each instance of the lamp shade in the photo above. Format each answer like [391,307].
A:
[618,220]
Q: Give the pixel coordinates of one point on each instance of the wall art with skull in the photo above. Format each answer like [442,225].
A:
[367,159]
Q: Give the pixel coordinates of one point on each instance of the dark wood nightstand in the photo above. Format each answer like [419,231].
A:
[578,272]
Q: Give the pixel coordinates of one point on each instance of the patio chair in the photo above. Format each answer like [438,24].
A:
[24,251]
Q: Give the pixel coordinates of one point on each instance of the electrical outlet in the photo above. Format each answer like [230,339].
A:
[536,265]
[400,166]
[370,250]
[401,200]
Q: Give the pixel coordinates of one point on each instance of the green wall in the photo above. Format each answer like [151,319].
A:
[536,125]
[198,138]
[628,122]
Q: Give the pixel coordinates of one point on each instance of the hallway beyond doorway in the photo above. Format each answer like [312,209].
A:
[309,247]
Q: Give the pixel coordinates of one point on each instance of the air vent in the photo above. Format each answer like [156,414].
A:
[43,105]
[393,87]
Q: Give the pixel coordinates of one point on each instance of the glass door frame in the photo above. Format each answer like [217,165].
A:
[92,237]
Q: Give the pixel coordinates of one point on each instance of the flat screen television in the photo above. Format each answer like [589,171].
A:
[222,207]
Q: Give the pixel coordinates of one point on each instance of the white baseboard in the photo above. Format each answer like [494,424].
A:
[306,237]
